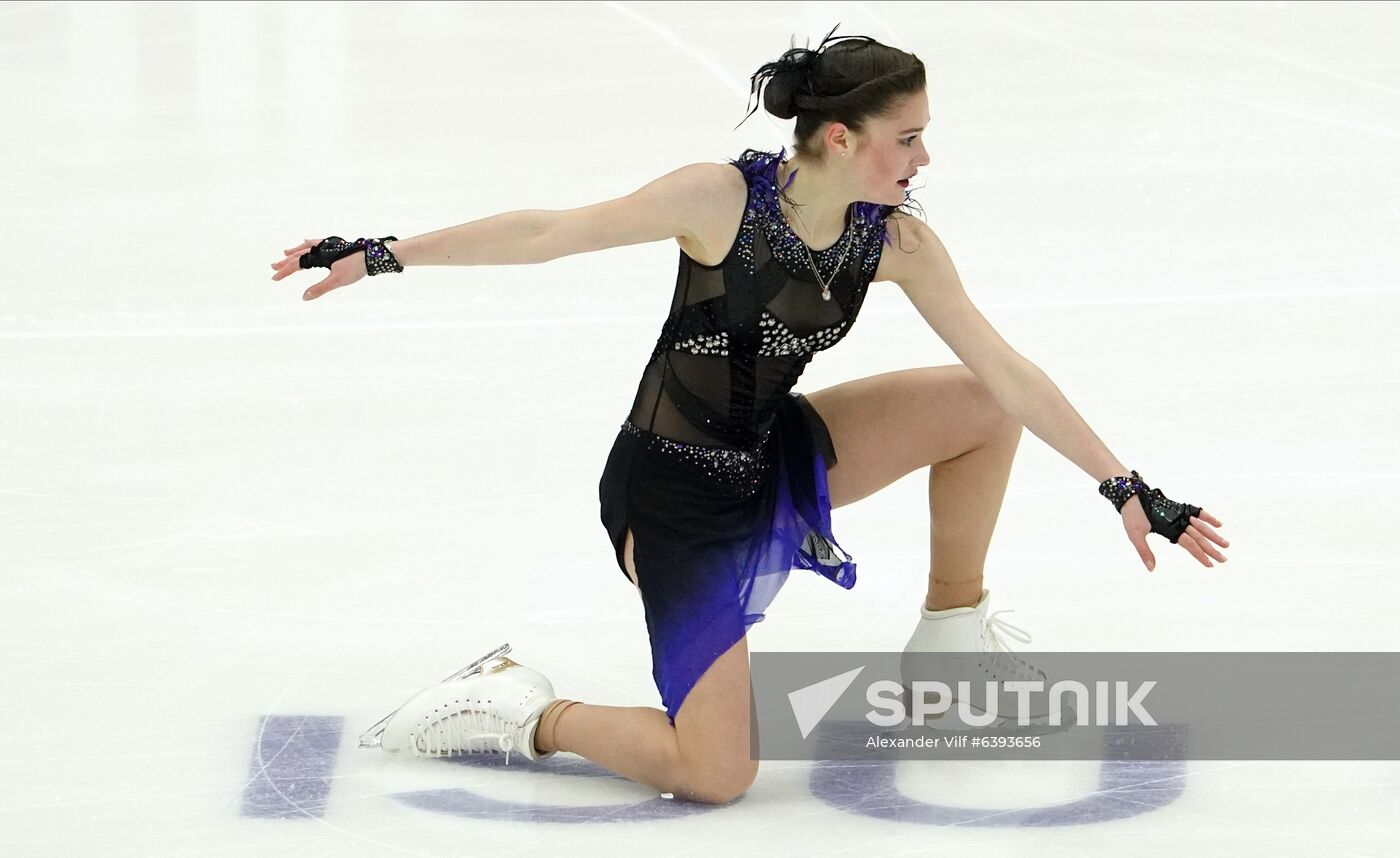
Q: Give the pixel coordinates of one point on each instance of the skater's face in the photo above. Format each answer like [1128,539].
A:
[888,150]
[893,149]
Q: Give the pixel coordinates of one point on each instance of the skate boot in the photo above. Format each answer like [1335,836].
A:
[988,659]
[491,706]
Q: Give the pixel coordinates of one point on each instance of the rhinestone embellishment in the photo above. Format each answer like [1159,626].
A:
[1119,489]
[778,340]
[731,466]
[705,344]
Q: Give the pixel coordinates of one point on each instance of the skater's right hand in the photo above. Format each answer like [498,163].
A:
[343,272]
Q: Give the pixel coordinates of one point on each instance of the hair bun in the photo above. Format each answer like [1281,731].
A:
[780,95]
[814,82]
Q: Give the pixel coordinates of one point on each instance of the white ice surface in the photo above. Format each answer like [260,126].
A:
[219,502]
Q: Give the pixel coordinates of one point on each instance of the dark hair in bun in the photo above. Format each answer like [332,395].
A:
[849,79]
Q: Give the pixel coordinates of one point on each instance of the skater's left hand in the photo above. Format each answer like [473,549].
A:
[349,269]
[1197,537]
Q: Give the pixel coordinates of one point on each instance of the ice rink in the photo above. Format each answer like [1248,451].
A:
[237,528]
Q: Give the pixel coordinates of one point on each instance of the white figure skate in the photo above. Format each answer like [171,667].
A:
[491,706]
[973,632]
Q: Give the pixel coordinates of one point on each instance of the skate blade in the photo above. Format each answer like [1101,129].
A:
[370,738]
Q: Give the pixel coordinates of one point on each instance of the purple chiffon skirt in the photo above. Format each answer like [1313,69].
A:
[711,556]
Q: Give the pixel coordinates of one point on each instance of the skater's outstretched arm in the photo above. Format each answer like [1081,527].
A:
[667,207]
[927,276]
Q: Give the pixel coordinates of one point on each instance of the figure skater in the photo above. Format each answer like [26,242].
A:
[722,479]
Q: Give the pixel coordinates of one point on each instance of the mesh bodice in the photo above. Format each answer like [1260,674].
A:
[739,334]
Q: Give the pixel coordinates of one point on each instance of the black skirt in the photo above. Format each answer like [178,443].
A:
[713,546]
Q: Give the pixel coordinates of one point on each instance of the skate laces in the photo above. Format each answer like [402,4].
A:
[465,731]
[993,643]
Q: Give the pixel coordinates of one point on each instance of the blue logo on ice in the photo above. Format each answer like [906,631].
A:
[810,704]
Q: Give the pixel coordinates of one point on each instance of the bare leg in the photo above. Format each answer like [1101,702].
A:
[637,742]
[704,757]
[965,494]
[944,418]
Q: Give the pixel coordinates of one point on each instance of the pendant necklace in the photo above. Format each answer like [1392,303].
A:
[826,286]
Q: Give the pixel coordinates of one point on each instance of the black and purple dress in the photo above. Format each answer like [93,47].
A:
[720,469]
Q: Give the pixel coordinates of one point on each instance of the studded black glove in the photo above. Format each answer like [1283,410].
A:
[378,258]
[1167,517]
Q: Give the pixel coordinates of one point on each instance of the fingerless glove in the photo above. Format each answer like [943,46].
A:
[1167,517]
[378,258]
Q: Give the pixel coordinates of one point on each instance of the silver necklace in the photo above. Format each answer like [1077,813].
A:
[826,286]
